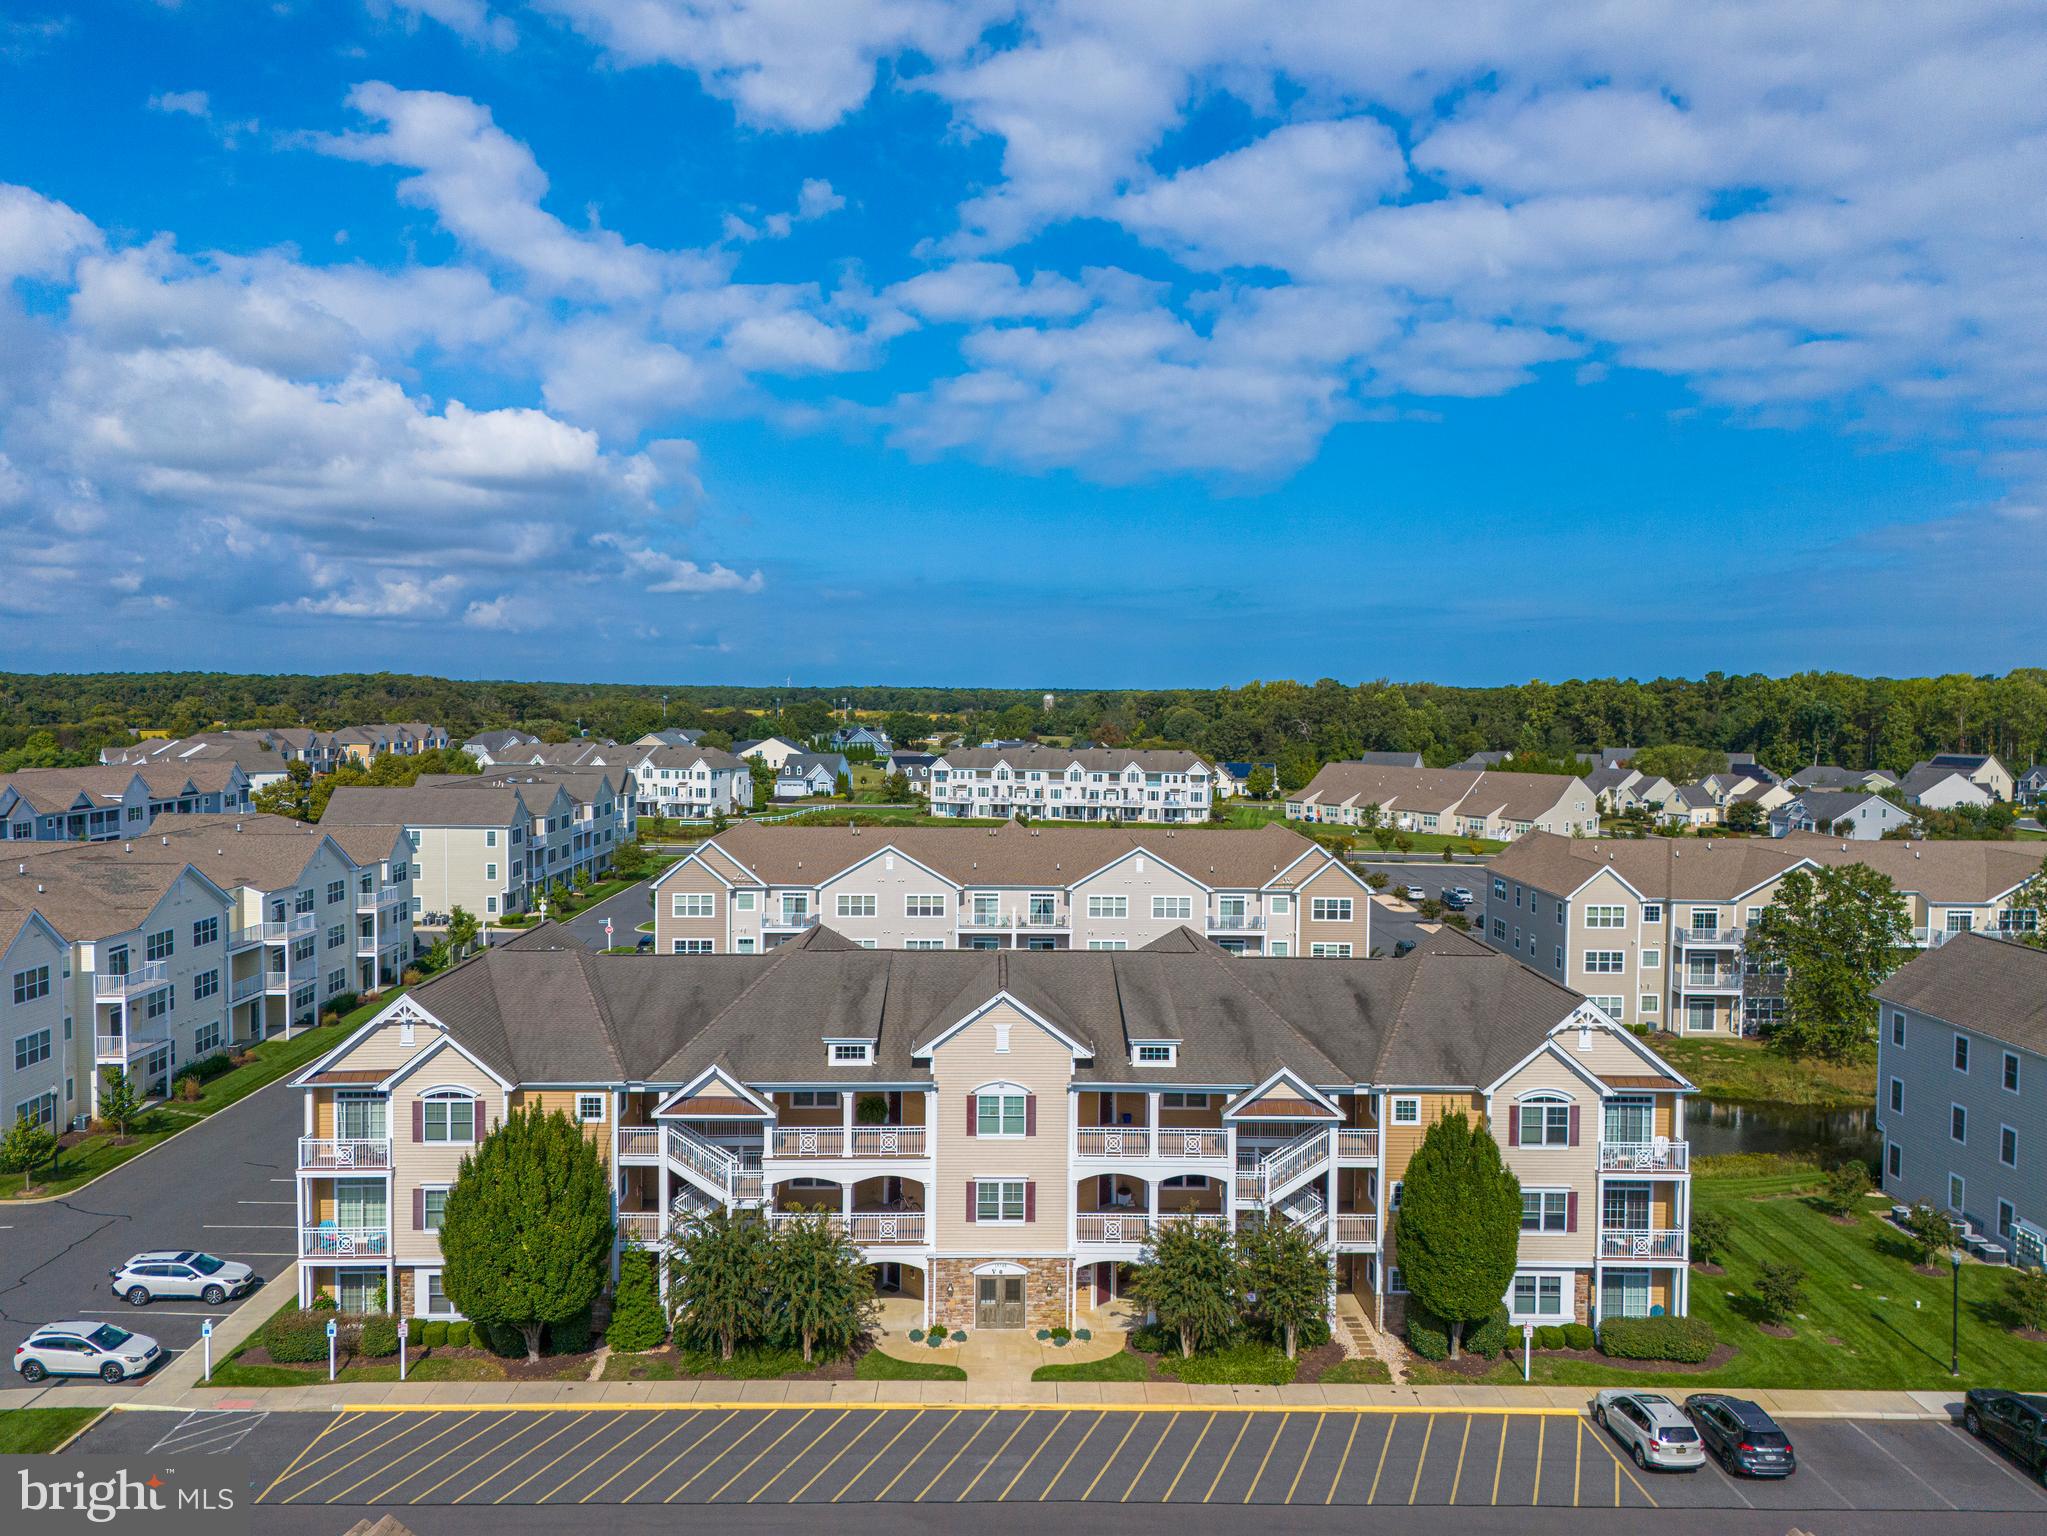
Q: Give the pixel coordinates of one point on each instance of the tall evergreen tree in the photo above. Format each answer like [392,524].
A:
[1457,1234]
[719,1273]
[636,1321]
[527,1230]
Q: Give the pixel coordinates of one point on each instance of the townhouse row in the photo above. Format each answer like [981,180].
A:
[264,751]
[83,805]
[1268,891]
[677,779]
[1002,1134]
[1089,784]
[1654,930]
[206,933]
[1455,801]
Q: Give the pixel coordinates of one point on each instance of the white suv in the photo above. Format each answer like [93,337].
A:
[85,1349]
[180,1272]
[1652,1427]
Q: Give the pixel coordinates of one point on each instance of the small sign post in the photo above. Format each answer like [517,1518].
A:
[333,1331]
[206,1343]
[1527,1349]
[607,933]
[403,1325]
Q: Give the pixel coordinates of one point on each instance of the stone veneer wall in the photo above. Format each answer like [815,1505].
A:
[1048,1284]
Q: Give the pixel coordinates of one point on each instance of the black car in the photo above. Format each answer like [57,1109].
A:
[2015,1420]
[1740,1436]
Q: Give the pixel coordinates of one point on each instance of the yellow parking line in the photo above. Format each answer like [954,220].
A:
[1190,1458]
[1620,1467]
[743,1436]
[757,1455]
[1278,1429]
[519,1430]
[913,1418]
[1384,1446]
[335,1498]
[764,1487]
[948,1424]
[650,1450]
[332,1425]
[1499,1462]
[680,1455]
[872,1420]
[554,1460]
[1058,1420]
[384,1493]
[1146,1467]
[586,1466]
[993,1459]
[1428,1430]
[1541,1437]
[360,1434]
[1104,1472]
[1344,1460]
[1294,1486]
[1577,1461]
[501,1471]
[336,1472]
[1457,1477]
[1083,1440]
[1243,1425]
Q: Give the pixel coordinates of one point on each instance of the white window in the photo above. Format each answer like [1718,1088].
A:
[851,1053]
[1407,1111]
[1280,949]
[490,871]
[1329,909]
[1605,962]
[814,1098]
[1545,1210]
[2011,1072]
[1329,951]
[1545,1122]
[1958,1123]
[692,904]
[2008,1146]
[1538,1296]
[923,943]
[1960,922]
[1279,903]
[1898,1030]
[1957,1192]
[743,901]
[31,1048]
[1155,1055]
[1179,908]
[1652,911]
[1651,959]
[1612,1007]
[448,1115]
[433,1205]
[1649,1003]
[1897,1095]
[1961,1053]
[1107,944]
[1183,1100]
[590,1108]
[851,905]
[1606,917]
[690,947]
[1000,1112]
[1108,906]
[924,905]
[999,1200]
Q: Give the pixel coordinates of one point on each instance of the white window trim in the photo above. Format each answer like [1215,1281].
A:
[1413,1104]
[583,1102]
[864,1048]
[1566,1296]
[1003,1091]
[1170,1047]
[1022,1202]
[447,1095]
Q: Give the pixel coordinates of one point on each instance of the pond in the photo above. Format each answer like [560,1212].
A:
[1715,1129]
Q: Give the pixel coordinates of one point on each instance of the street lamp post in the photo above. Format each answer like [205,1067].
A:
[1954,1362]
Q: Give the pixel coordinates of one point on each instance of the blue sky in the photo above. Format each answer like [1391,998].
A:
[1022,343]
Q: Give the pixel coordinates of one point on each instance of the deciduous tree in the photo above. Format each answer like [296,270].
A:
[719,1279]
[1837,933]
[1457,1234]
[1288,1276]
[27,1145]
[821,1288]
[120,1100]
[1190,1279]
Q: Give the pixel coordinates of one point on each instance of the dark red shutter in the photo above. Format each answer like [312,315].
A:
[1571,1211]
[1513,1125]
[973,1114]
[971,1213]
[1030,1114]
[1574,1125]
[418,1120]
[1030,1199]
[419,1210]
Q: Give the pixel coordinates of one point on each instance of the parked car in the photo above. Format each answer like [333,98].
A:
[86,1349]
[1414,893]
[1651,1427]
[2017,1421]
[1459,894]
[1741,1436]
[179,1272]
[1403,947]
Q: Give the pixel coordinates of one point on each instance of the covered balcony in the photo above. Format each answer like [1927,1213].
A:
[875,1212]
[1121,1209]
[1176,1127]
[878,1124]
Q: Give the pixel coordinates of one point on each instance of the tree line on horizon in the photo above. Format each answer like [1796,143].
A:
[58,719]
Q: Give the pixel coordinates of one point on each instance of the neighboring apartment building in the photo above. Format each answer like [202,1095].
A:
[1653,929]
[1001,1133]
[1265,892]
[1456,801]
[1857,815]
[772,750]
[1982,768]
[1961,1081]
[857,738]
[690,783]
[1938,787]
[263,756]
[669,736]
[1234,779]
[1072,784]
[492,747]
[366,743]
[2030,787]
[600,801]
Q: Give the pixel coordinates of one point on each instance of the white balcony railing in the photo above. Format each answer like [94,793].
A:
[1692,978]
[246,987]
[642,1227]
[344,1242]
[1235,922]
[1357,1146]
[382,900]
[835,1141]
[639,1142]
[345,1152]
[277,981]
[277,933]
[1641,1243]
[1659,1156]
[869,1228]
[1355,1231]
[1113,1141]
[1132,1227]
[146,977]
[1185,1143]
[1708,938]
[789,922]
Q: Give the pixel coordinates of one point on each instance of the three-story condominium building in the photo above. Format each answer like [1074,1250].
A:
[1265,892]
[79,805]
[1456,801]
[690,783]
[1113,784]
[1961,1089]
[1001,1133]
[1655,929]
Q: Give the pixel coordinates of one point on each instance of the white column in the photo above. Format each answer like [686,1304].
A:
[846,1123]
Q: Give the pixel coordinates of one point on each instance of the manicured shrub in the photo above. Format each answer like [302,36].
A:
[636,1322]
[1493,1336]
[1685,1340]
[936,1338]
[206,1068]
[501,1339]
[1061,1335]
[377,1339]
[916,1335]
[1044,1335]
[959,1336]
[1427,1336]
[1549,1336]
[296,1338]
[1152,1339]
[1083,1334]
[1579,1336]
[434,1335]
[415,1331]
[570,1336]
[461,1335]
[1780,1288]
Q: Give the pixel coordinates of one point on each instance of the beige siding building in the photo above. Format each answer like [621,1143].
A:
[1092,784]
[1452,801]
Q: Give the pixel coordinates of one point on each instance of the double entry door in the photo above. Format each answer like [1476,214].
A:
[999,1301]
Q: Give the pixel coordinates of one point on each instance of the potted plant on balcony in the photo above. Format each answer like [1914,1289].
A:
[871,1109]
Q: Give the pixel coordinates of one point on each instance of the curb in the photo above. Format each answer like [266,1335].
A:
[65,1444]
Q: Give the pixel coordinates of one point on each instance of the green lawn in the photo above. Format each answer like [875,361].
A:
[1121,1366]
[1860,1327]
[37,1431]
[765,1363]
[1746,1071]
[1357,1373]
[876,1366]
[417,1368]
[275,1058]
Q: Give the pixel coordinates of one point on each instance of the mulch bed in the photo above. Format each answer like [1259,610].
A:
[1706,1267]
[1778,1330]
[1309,1364]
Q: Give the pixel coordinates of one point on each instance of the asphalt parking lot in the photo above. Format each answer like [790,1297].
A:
[947,1454]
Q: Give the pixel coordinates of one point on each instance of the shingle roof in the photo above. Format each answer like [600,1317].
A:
[1992,986]
[473,804]
[1046,759]
[49,790]
[89,890]
[686,757]
[1515,796]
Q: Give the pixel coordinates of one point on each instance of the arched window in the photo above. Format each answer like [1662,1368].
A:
[445,1115]
[1003,1109]
[1545,1120]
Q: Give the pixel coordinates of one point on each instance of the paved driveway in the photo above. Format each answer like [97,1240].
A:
[627,910]
[224,1185]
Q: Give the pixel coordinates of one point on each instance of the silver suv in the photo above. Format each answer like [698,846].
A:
[85,1349]
[1653,1429]
[173,1272]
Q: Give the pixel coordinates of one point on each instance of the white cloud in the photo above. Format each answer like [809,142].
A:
[815,198]
[410,598]
[665,573]
[182,103]
[38,236]
[987,290]
[469,19]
